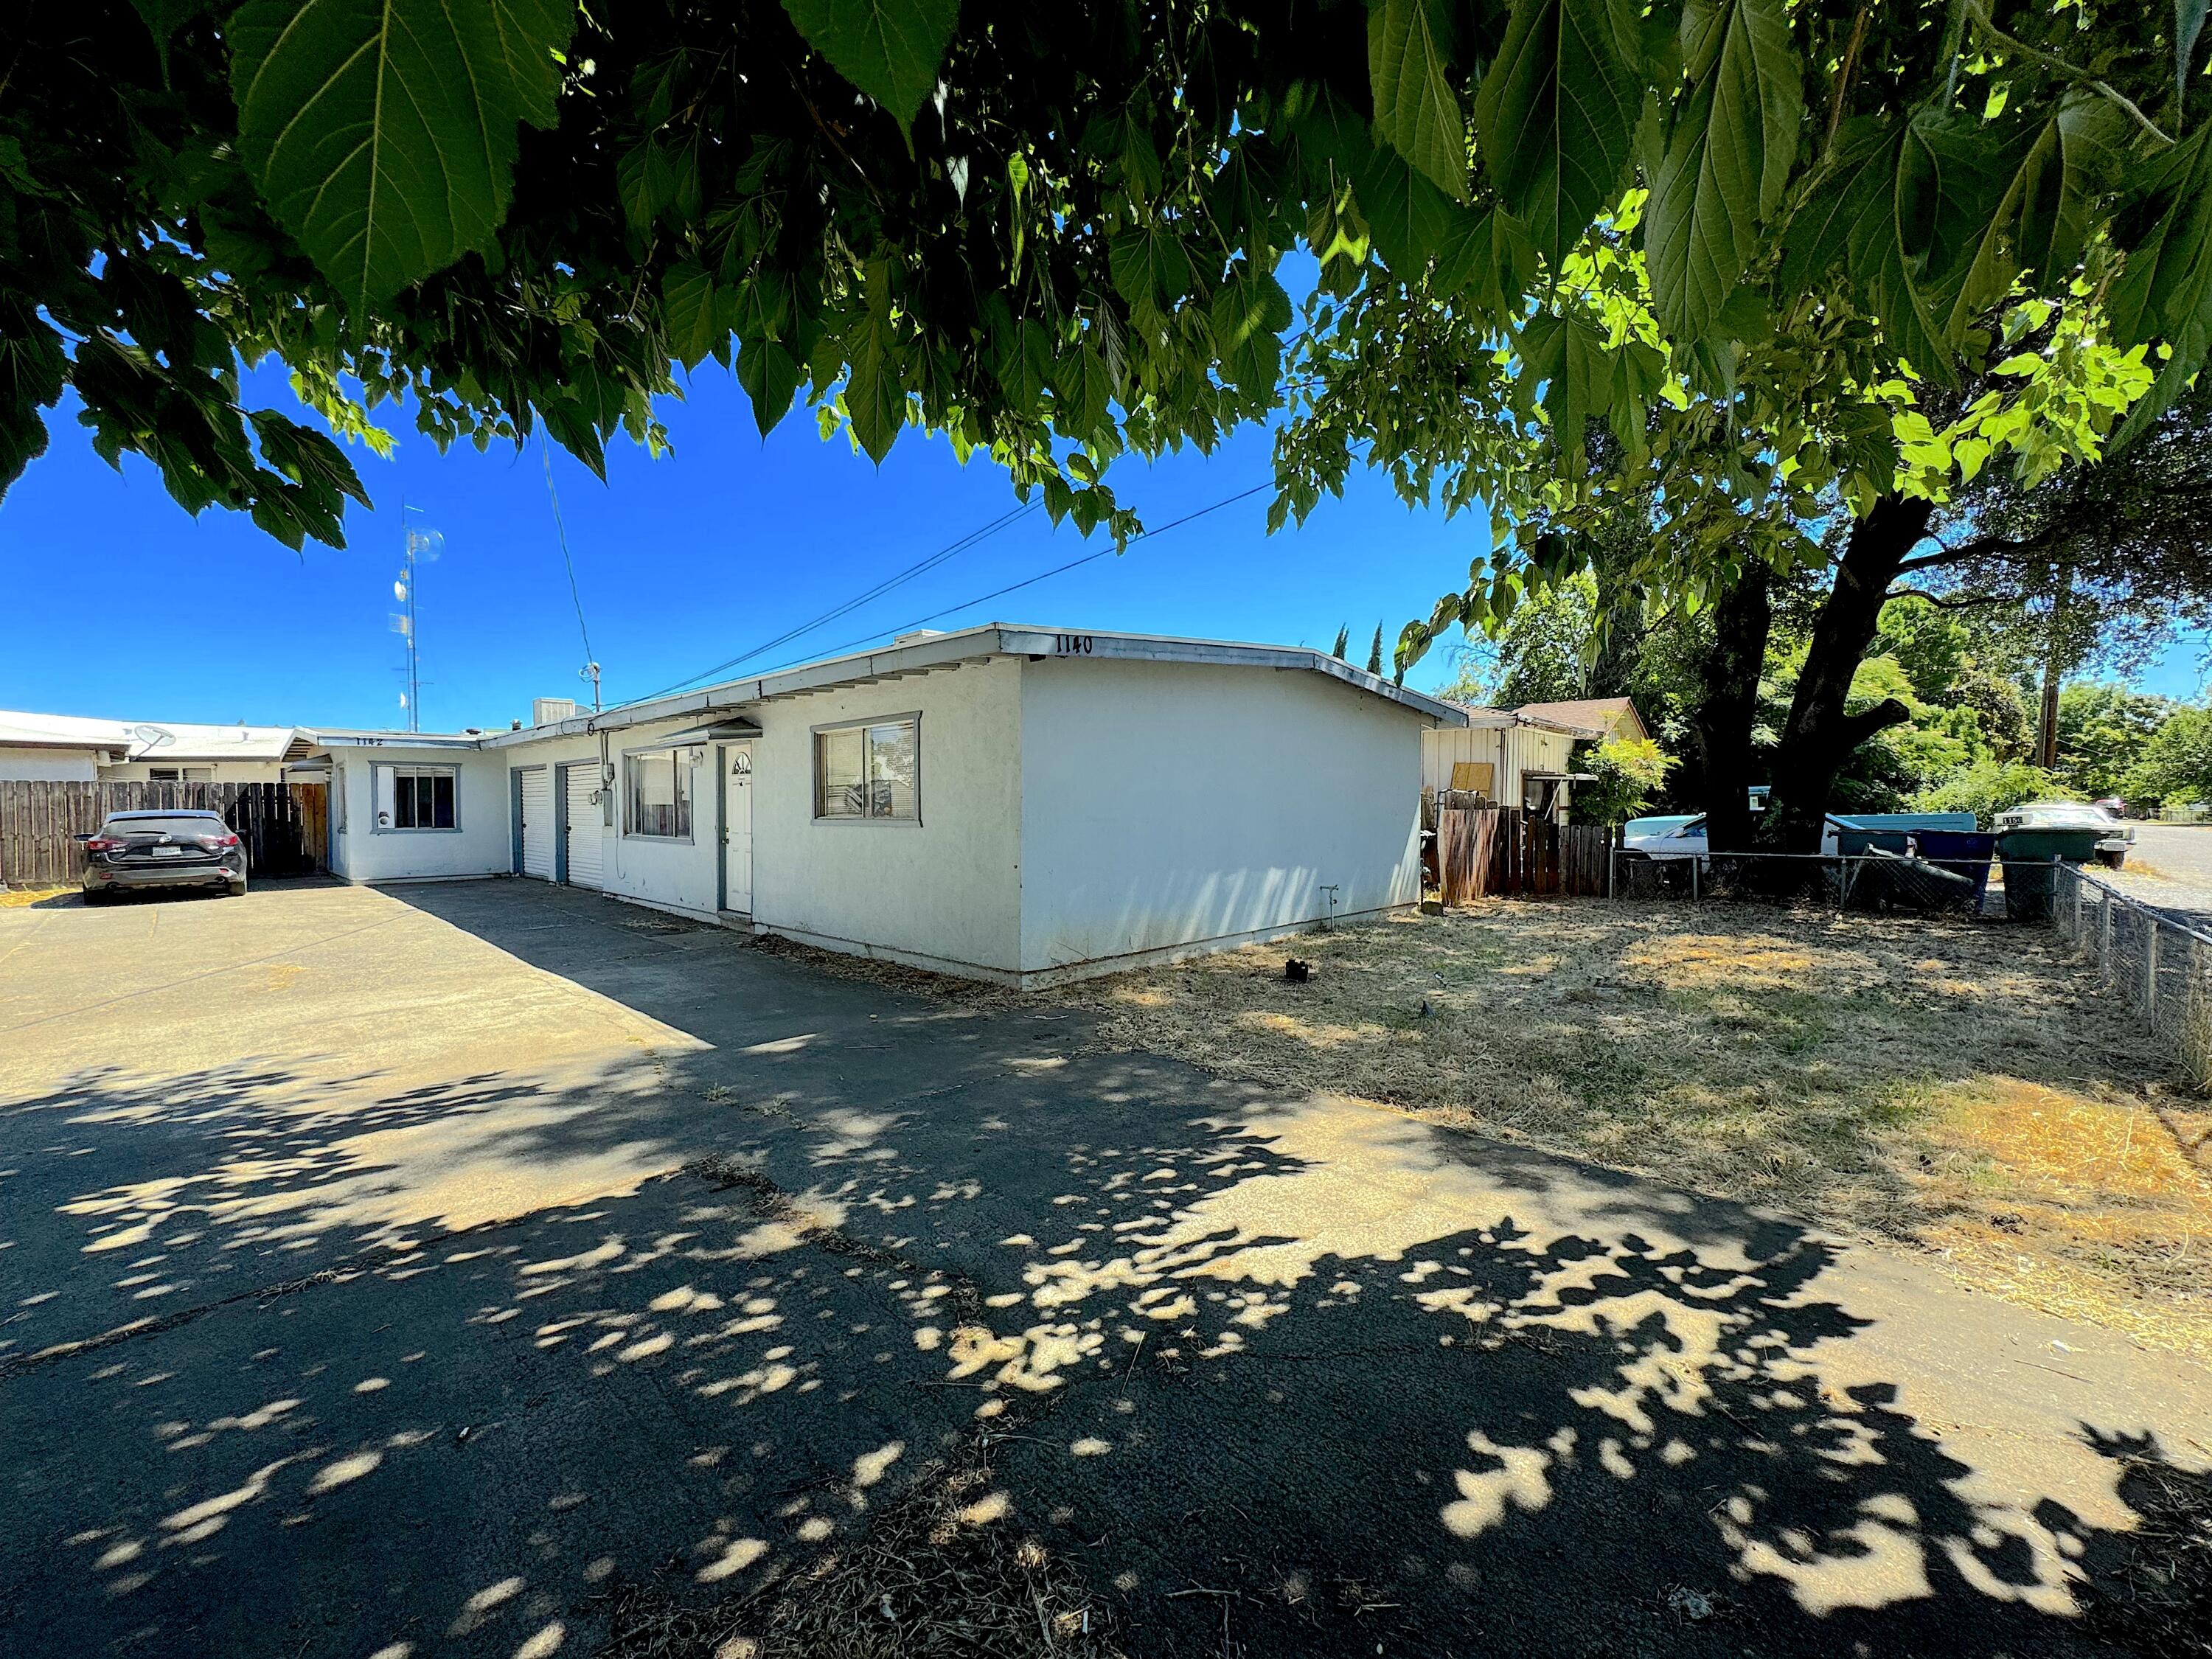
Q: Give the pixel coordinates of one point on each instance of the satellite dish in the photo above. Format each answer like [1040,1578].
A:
[152,737]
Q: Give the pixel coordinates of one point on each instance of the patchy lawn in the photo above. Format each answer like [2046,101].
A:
[1949,1085]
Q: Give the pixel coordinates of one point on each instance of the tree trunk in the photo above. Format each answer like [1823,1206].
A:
[1820,733]
[2054,671]
[1728,706]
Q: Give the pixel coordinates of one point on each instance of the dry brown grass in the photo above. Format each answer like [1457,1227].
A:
[1945,1084]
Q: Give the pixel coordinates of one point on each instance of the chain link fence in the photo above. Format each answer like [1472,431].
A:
[2145,959]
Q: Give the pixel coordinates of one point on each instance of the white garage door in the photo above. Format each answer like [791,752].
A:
[537,823]
[584,828]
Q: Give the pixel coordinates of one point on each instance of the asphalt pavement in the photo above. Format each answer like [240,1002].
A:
[400,1273]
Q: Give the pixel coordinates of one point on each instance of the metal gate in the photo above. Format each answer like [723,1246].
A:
[580,784]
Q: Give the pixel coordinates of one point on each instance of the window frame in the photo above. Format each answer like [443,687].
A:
[395,770]
[911,717]
[690,835]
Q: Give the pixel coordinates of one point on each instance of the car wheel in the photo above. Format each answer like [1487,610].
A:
[235,889]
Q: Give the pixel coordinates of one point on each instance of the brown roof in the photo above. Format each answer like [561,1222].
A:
[1616,716]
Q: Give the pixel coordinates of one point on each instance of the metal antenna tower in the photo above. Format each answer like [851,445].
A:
[419,547]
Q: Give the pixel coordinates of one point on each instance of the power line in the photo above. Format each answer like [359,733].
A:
[1044,575]
[591,671]
[897,579]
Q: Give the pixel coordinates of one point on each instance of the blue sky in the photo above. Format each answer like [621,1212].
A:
[145,613]
[137,611]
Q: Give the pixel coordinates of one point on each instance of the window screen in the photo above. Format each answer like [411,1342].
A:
[869,771]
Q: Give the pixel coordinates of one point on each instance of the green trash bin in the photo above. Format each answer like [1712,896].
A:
[2030,857]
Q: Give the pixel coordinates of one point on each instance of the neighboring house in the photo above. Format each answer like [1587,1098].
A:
[1513,757]
[63,748]
[171,752]
[59,748]
[1013,804]
[1615,717]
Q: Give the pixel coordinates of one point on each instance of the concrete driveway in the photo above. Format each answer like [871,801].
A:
[458,1269]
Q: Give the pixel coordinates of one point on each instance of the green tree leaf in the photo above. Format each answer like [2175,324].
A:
[1557,113]
[889,48]
[1866,220]
[2166,280]
[688,307]
[382,132]
[1727,158]
[875,395]
[1416,112]
[771,378]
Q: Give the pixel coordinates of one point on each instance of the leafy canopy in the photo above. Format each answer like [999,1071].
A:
[1052,232]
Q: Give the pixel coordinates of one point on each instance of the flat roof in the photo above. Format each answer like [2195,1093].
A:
[142,740]
[980,644]
[330,737]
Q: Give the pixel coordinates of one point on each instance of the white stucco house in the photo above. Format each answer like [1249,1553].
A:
[1014,804]
[72,749]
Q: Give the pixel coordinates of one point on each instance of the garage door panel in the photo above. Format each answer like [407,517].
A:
[537,823]
[586,828]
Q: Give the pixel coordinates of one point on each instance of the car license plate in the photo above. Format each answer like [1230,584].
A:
[168,851]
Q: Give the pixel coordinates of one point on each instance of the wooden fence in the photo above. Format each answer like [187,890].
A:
[284,825]
[1505,851]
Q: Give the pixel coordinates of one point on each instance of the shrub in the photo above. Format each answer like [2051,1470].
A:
[1991,786]
[1627,772]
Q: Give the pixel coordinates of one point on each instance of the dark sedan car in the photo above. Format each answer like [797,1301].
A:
[170,848]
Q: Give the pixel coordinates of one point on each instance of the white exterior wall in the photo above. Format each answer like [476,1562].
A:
[943,893]
[1444,747]
[482,845]
[680,875]
[202,771]
[675,875]
[47,766]
[1168,807]
[1511,751]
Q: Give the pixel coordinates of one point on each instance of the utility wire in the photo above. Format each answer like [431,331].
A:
[897,579]
[1043,576]
[561,532]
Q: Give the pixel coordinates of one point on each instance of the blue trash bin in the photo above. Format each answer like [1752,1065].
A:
[1967,852]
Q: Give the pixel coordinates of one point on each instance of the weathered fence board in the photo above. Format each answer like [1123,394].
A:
[284,826]
[1502,851]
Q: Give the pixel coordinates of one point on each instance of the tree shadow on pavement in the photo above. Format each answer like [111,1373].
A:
[951,1345]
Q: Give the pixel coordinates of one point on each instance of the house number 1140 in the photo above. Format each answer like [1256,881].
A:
[1071,645]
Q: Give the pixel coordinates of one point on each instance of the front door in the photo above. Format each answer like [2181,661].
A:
[737,828]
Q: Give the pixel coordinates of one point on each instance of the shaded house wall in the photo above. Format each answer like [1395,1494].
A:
[1169,807]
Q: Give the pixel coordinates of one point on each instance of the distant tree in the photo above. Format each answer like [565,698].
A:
[2103,731]
[1988,788]
[2176,767]
[1374,652]
[2095,568]
[1471,681]
[1343,643]
[1541,648]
